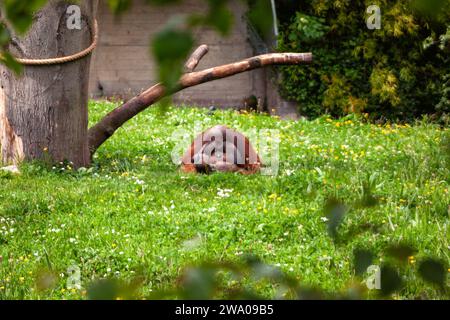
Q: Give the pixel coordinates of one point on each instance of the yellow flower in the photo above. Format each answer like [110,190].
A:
[411,259]
[21,279]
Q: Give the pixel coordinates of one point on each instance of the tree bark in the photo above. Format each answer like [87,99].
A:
[43,112]
[106,127]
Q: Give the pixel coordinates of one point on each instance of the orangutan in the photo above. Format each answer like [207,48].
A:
[221,149]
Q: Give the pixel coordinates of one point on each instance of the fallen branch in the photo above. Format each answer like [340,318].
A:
[106,127]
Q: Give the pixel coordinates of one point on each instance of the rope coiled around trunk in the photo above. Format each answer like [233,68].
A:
[61,60]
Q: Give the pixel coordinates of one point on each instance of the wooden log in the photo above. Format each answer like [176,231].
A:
[106,127]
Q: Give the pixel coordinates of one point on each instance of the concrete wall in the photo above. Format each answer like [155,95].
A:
[122,65]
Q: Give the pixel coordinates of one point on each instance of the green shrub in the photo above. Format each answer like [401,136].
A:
[400,71]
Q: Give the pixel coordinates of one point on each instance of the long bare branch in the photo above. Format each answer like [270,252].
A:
[106,127]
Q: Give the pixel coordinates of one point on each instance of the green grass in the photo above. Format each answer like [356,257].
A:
[133,212]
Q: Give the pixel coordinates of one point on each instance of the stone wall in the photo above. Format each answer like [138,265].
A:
[122,65]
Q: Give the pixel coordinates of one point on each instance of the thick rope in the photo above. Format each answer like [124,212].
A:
[61,60]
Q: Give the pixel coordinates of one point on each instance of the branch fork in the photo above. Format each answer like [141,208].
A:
[106,127]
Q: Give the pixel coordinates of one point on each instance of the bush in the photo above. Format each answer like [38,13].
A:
[400,71]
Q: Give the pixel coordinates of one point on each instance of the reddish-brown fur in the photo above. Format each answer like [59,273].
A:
[202,156]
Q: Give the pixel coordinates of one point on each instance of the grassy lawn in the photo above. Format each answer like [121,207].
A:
[134,213]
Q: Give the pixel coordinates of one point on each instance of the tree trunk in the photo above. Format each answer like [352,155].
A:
[106,127]
[43,112]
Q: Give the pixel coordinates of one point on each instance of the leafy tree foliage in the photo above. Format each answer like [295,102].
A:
[398,71]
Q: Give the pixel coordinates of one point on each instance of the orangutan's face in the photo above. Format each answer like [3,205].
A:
[221,149]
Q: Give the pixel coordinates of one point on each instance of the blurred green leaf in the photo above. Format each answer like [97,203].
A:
[390,280]
[7,59]
[335,212]
[218,17]
[20,13]
[170,48]
[199,283]
[433,9]
[5,36]
[362,259]
[265,271]
[46,280]
[308,293]
[119,6]
[260,15]
[105,289]
[433,271]
[401,252]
